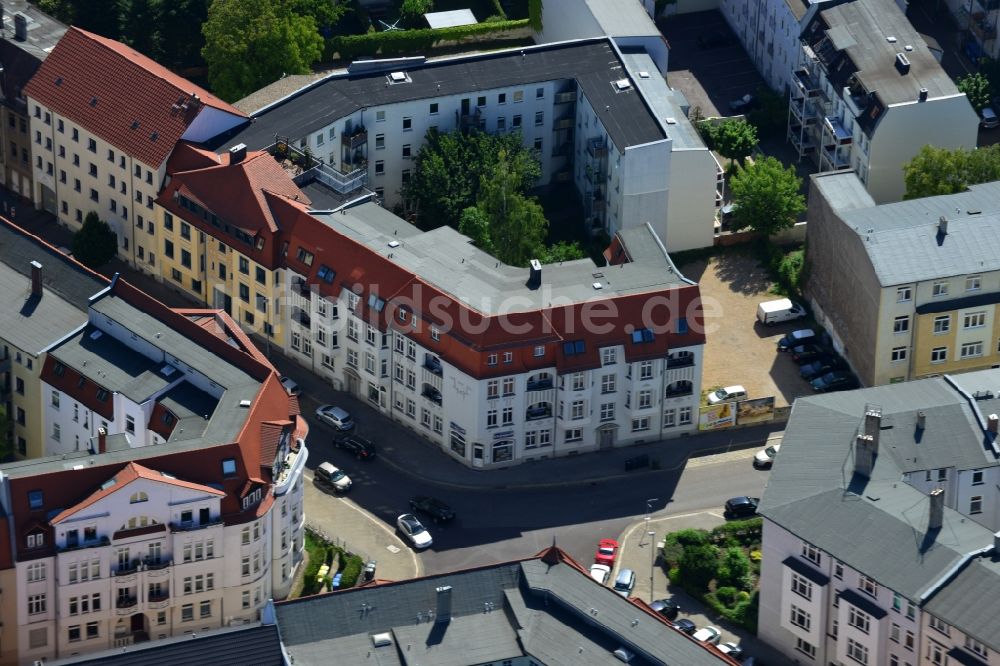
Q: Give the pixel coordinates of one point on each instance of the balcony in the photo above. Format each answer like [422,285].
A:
[431,394]
[806,112]
[596,149]
[834,130]
[537,412]
[78,545]
[351,177]
[193,525]
[806,83]
[433,364]
[540,382]
[125,573]
[302,287]
[291,468]
[301,317]
[564,123]
[678,389]
[567,97]
[158,601]
[126,605]
[835,158]
[354,139]
[596,177]
[680,361]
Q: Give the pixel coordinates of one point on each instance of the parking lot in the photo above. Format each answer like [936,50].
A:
[709,77]
[738,350]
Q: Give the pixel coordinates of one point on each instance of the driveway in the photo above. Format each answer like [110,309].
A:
[739,350]
[708,77]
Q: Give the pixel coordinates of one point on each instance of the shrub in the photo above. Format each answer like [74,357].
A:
[698,566]
[410,42]
[726,595]
[745,532]
[790,269]
[674,544]
[351,571]
[734,570]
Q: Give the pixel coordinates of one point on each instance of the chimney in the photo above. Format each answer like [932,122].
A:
[36,279]
[923,95]
[20,27]
[921,420]
[443,613]
[864,456]
[902,63]
[942,226]
[102,440]
[237,153]
[535,276]
[873,425]
[993,421]
[936,517]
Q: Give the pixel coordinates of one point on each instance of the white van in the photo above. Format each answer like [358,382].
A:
[782,309]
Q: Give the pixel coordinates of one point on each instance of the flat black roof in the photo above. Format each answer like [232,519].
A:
[593,64]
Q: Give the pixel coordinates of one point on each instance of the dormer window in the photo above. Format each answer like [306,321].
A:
[229,467]
[59,369]
[102,394]
[138,497]
[36,540]
[35,499]
[168,418]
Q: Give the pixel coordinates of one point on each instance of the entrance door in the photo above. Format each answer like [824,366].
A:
[477,455]
[606,438]
[137,622]
[465,106]
[352,384]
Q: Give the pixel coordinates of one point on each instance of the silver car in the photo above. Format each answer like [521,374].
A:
[335,417]
[625,582]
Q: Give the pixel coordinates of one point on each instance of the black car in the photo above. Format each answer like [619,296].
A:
[433,507]
[359,446]
[714,40]
[808,353]
[668,608]
[741,507]
[821,366]
[794,339]
[834,381]
[686,625]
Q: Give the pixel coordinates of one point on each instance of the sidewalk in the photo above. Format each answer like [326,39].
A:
[638,551]
[411,454]
[359,532]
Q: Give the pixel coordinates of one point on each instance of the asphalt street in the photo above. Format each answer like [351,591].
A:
[496,525]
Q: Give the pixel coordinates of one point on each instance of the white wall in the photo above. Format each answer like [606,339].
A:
[691,205]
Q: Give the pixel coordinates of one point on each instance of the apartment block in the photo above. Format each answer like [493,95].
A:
[867,94]
[26,37]
[880,542]
[596,115]
[924,274]
[170,501]
[100,142]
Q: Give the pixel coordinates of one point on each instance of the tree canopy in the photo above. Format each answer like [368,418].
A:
[977,88]
[942,171]
[250,43]
[95,244]
[734,139]
[767,196]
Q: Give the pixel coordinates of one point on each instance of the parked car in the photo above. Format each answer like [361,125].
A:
[727,394]
[600,573]
[686,625]
[414,531]
[741,507]
[820,366]
[332,477]
[743,104]
[607,551]
[433,507]
[835,381]
[807,353]
[988,118]
[765,457]
[732,649]
[709,635]
[625,582]
[668,608]
[290,385]
[777,311]
[359,446]
[335,417]
[796,338]
[716,39]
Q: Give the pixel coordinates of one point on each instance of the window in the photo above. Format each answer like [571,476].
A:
[492,389]
[974,320]
[608,411]
[36,604]
[574,435]
[36,571]
[857,651]
[74,633]
[38,638]
[92,630]
[508,416]
[578,381]
[539,350]
[894,633]
[645,399]
[501,123]
[406,150]
[975,646]
[801,586]
[508,386]
[939,355]
[304,256]
[35,499]
[640,424]
[973,283]
[491,359]
[609,356]
[898,354]
[904,294]
[971,350]
[576,410]
[206,609]
[518,96]
[858,619]
[684,416]
[869,586]
[901,324]
[939,289]
[407,123]
[811,553]
[838,570]
[976,504]
[539,118]
[508,357]
[977,477]
[800,618]
[187,612]
[805,648]
[515,122]
[608,384]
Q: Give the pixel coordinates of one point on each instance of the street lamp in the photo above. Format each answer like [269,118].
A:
[652,543]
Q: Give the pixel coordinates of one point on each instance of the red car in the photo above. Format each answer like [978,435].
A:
[607,551]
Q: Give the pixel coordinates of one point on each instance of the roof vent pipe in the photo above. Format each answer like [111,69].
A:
[535,275]
[237,153]
[921,420]
[993,423]
[943,226]
[36,279]
[923,95]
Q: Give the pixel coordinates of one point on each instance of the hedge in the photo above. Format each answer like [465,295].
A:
[410,42]
[745,532]
[352,569]
[744,612]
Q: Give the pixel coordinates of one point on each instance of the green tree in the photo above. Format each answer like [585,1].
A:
[767,196]
[936,171]
[977,88]
[476,225]
[139,25]
[250,43]
[561,251]
[412,12]
[735,139]
[698,566]
[95,244]
[517,223]
[734,569]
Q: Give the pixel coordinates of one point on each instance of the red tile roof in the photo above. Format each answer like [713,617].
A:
[78,386]
[127,475]
[120,95]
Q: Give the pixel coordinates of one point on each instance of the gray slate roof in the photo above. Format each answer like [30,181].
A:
[971,601]
[253,646]
[592,63]
[902,239]
[448,260]
[508,610]
[862,27]
[878,526]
